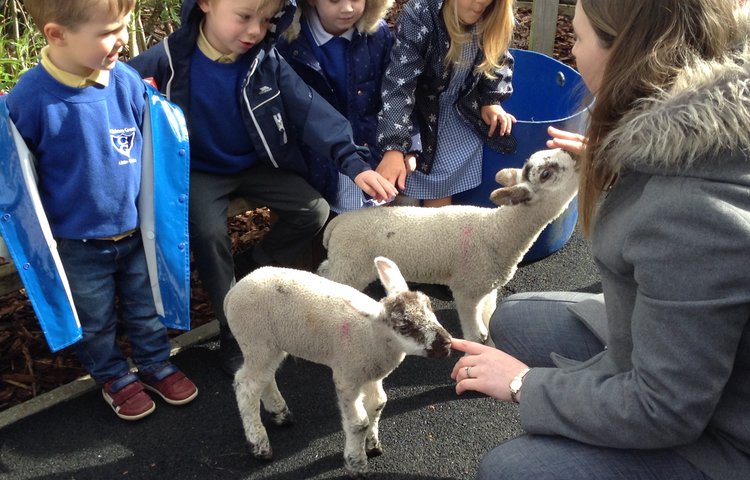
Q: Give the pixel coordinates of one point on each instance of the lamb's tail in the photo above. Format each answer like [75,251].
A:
[323,269]
[329,230]
[227,299]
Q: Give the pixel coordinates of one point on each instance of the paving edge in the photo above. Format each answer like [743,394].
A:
[85,384]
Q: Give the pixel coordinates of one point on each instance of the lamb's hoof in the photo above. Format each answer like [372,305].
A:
[356,475]
[375,451]
[283,418]
[260,453]
[356,467]
[479,338]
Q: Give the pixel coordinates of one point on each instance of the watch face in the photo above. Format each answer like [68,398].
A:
[516,384]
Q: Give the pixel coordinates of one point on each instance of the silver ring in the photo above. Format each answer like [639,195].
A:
[468,372]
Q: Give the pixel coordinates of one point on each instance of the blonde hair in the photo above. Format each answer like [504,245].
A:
[261,4]
[495,30]
[72,13]
[650,43]
[375,11]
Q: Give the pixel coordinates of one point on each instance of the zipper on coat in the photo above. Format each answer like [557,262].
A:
[280,126]
[245,83]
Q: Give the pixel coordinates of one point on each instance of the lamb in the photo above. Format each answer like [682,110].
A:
[473,250]
[274,311]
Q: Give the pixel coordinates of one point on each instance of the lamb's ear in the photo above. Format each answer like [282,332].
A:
[390,276]
[365,307]
[511,195]
[507,177]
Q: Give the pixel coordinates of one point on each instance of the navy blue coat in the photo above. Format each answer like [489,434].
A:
[280,110]
[368,56]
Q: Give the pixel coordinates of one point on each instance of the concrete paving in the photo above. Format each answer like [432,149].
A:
[428,432]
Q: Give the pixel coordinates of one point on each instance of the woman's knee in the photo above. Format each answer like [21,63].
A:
[506,461]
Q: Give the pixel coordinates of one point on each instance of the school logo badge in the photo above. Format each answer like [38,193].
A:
[123,139]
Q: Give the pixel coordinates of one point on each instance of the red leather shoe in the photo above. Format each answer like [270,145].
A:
[170,384]
[127,398]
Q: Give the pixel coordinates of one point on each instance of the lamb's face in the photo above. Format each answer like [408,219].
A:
[550,170]
[410,315]
[546,173]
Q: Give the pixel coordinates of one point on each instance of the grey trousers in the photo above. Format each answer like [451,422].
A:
[530,326]
[301,211]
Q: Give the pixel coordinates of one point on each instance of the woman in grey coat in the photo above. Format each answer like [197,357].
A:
[652,378]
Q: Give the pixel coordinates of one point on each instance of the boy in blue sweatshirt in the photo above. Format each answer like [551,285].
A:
[247,114]
[81,113]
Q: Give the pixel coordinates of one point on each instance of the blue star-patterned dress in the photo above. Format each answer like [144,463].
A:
[437,104]
[458,158]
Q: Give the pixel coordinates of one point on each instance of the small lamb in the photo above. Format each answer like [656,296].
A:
[472,250]
[274,311]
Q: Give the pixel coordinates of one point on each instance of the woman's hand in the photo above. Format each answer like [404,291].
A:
[498,119]
[569,141]
[393,168]
[484,369]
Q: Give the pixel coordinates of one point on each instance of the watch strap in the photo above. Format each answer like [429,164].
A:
[517,383]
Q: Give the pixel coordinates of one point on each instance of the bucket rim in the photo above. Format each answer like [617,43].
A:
[566,70]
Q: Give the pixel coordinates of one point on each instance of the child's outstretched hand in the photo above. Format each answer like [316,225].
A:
[393,168]
[498,119]
[376,186]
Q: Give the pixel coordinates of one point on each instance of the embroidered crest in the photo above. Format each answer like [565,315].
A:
[123,139]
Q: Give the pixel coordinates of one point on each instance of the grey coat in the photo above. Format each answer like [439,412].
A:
[672,243]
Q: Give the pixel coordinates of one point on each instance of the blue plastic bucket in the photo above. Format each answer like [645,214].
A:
[546,93]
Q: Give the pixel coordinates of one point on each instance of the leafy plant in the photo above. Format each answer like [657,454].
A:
[19,41]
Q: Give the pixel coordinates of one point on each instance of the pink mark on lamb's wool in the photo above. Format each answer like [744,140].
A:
[345,330]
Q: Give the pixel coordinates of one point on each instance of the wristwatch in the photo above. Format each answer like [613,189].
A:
[517,383]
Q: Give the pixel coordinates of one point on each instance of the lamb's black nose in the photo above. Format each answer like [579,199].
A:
[441,347]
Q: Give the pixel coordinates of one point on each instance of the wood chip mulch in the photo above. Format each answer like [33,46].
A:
[28,368]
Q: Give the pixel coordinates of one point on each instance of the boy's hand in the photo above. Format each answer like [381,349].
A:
[375,185]
[498,119]
[393,168]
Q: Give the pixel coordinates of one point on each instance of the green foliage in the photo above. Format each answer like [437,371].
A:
[21,43]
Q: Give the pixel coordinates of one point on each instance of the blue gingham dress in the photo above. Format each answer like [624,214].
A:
[349,197]
[458,158]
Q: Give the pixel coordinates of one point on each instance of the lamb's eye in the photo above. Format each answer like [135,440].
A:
[546,173]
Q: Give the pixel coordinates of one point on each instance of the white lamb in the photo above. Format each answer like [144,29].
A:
[472,250]
[275,311]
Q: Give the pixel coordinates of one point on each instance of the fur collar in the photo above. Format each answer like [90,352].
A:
[375,11]
[705,113]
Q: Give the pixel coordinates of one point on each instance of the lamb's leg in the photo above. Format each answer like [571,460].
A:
[355,424]
[250,381]
[275,404]
[488,304]
[374,399]
[470,313]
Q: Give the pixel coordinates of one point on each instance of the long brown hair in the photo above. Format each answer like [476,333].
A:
[650,43]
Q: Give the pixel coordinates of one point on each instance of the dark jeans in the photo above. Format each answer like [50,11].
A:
[530,326]
[301,212]
[99,271]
